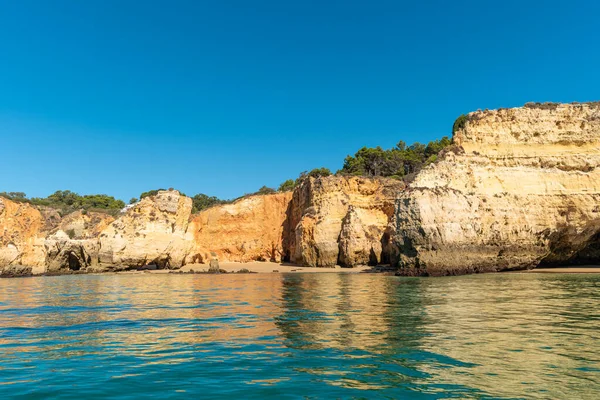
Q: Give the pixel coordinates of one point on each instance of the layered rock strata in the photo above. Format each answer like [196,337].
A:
[520,188]
[340,220]
[250,229]
[153,231]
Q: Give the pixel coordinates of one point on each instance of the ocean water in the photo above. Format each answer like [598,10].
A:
[306,336]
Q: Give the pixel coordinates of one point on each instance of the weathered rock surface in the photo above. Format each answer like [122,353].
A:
[340,220]
[21,234]
[250,229]
[84,225]
[65,253]
[150,232]
[520,188]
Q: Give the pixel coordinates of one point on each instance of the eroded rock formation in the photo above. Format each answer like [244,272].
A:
[150,232]
[21,234]
[250,229]
[340,220]
[521,187]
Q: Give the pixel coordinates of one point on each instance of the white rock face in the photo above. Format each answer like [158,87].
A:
[151,232]
[521,188]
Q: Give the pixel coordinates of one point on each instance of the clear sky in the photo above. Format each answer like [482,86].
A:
[221,97]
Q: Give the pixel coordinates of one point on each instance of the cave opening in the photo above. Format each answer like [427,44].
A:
[73,262]
[564,254]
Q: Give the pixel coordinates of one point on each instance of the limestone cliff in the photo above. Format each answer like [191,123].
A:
[21,234]
[73,244]
[150,232]
[340,220]
[249,229]
[521,187]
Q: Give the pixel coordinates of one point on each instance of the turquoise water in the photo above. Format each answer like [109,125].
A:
[300,336]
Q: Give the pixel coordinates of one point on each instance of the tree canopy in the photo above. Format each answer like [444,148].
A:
[67,201]
[201,202]
[287,186]
[397,162]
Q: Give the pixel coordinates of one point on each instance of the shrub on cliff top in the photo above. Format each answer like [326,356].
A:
[460,123]
[150,193]
[15,196]
[66,201]
[287,186]
[396,162]
[265,190]
[201,202]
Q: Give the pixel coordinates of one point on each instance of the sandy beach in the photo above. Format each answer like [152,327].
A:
[270,267]
[273,267]
[254,267]
[580,269]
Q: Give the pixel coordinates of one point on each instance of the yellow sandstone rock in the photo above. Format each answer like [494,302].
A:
[520,188]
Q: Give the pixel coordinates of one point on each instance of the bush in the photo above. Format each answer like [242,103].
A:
[66,202]
[265,190]
[150,193]
[287,186]
[70,233]
[460,123]
[201,202]
[397,162]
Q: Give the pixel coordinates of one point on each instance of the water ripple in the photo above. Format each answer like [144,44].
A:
[262,336]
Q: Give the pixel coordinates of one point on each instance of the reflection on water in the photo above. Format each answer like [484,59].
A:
[300,336]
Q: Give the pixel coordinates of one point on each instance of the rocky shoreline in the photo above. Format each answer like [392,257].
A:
[518,189]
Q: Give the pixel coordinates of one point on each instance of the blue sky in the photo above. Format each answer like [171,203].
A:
[222,97]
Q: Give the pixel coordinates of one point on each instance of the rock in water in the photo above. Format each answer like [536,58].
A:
[520,187]
[214,264]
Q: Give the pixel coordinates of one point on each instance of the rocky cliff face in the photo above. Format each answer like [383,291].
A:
[150,232]
[326,221]
[250,229]
[21,234]
[73,243]
[44,241]
[340,220]
[521,187]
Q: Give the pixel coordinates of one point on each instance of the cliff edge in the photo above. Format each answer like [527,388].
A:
[519,188]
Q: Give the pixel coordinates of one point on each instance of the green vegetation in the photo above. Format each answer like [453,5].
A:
[399,162]
[15,196]
[460,123]
[66,201]
[150,193]
[265,190]
[201,202]
[315,173]
[287,186]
